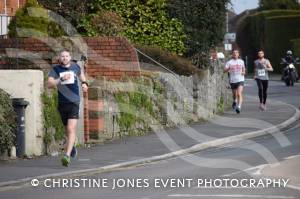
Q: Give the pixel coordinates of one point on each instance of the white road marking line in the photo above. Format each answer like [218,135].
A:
[260,168]
[230,196]
[84,160]
[292,157]
[231,174]
[293,187]
[253,170]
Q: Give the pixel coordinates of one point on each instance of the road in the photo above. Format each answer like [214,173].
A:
[216,165]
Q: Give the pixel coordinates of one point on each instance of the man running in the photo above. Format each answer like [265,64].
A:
[65,77]
[261,68]
[236,69]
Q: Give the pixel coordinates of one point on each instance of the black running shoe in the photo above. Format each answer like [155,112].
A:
[234,105]
[74,152]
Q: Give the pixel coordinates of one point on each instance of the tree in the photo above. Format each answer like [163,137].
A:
[204,24]
[72,10]
[145,22]
[279,4]
[33,21]
[102,23]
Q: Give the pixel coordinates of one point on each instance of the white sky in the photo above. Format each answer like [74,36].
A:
[241,5]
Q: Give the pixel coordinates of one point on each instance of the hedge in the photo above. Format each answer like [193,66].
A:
[296,49]
[279,4]
[52,119]
[296,46]
[143,22]
[175,63]
[252,34]
[8,122]
[279,31]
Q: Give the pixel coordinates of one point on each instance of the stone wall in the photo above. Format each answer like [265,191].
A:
[175,100]
[195,97]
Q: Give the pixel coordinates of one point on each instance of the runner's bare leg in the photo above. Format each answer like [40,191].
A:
[240,95]
[71,135]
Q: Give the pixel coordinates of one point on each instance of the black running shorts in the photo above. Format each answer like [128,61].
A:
[235,86]
[68,111]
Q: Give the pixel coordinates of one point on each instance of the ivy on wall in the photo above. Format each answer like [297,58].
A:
[8,122]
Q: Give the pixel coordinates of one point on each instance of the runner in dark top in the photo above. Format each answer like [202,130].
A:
[66,77]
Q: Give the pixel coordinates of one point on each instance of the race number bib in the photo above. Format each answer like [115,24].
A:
[72,77]
[261,72]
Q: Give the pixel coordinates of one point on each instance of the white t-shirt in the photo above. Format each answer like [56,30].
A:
[236,67]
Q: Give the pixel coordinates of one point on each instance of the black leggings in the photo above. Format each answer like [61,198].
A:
[262,90]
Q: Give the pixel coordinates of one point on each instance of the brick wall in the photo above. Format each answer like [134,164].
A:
[109,57]
[31,53]
[11,6]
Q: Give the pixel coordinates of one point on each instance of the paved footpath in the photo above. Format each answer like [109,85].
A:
[157,146]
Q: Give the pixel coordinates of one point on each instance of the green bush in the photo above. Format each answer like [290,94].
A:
[146,22]
[103,23]
[252,34]
[71,10]
[296,49]
[175,63]
[8,122]
[29,23]
[296,46]
[52,118]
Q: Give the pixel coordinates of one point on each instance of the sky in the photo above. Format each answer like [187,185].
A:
[241,5]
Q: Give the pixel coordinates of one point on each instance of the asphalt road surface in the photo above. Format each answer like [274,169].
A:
[255,169]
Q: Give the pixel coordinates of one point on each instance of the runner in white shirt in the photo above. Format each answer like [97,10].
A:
[236,69]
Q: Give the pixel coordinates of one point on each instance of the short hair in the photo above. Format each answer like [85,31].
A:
[64,50]
[235,49]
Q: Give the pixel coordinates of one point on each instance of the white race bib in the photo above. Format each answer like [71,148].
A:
[261,72]
[69,81]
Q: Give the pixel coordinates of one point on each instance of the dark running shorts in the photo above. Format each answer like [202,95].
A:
[68,111]
[235,86]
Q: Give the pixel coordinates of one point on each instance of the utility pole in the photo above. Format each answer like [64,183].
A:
[227,44]
[227,21]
